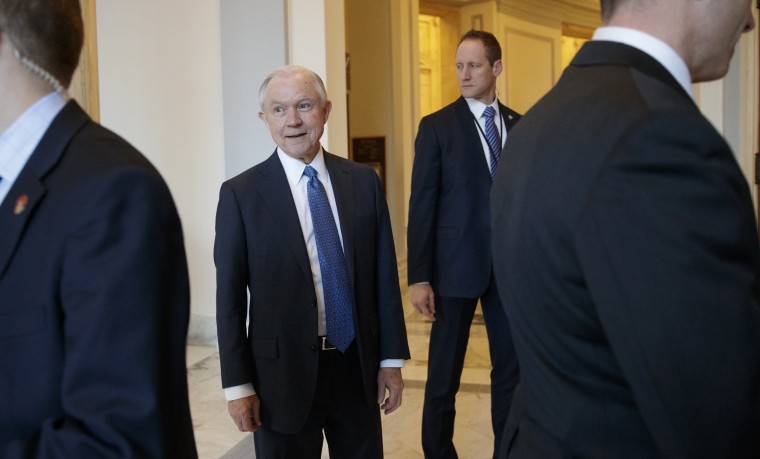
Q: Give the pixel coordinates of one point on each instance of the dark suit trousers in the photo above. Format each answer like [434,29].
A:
[340,409]
[448,344]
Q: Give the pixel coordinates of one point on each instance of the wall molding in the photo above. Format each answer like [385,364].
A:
[554,13]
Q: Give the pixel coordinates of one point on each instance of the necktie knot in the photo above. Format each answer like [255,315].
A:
[310,172]
[489,113]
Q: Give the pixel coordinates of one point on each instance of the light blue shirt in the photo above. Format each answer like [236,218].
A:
[653,46]
[18,142]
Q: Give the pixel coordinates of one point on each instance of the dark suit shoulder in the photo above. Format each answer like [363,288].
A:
[510,116]
[269,166]
[459,111]
[451,111]
[106,148]
[346,164]
[358,170]
[73,138]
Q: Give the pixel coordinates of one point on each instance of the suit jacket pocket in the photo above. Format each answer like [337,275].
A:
[265,348]
[22,322]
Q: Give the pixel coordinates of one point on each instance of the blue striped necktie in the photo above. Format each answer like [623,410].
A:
[492,137]
[332,263]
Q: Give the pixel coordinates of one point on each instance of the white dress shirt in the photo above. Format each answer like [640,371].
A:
[297,181]
[653,46]
[17,143]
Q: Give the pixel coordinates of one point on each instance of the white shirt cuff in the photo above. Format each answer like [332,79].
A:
[392,363]
[236,392]
[246,390]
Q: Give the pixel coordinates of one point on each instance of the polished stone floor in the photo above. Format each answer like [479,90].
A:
[217,437]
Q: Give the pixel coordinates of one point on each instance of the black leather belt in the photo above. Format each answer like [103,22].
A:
[325,345]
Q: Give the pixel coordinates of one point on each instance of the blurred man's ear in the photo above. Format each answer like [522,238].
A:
[328,107]
[498,66]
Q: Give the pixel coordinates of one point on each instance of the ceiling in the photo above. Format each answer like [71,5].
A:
[454,2]
[593,4]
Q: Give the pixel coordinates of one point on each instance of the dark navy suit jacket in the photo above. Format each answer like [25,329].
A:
[260,248]
[94,303]
[449,230]
[626,250]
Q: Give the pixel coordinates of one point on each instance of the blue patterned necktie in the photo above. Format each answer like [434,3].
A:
[492,137]
[337,290]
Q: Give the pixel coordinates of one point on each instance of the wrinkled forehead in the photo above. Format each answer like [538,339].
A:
[289,88]
[292,88]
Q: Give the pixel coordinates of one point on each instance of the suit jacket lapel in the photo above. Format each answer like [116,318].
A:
[467,121]
[275,192]
[29,189]
[510,117]
[16,211]
[343,187]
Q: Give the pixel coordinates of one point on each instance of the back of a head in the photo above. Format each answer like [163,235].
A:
[49,33]
[608,7]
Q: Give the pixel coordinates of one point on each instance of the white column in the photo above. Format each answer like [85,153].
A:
[253,43]
[161,89]
[316,39]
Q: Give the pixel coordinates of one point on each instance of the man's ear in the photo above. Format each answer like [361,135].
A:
[263,118]
[328,107]
[497,68]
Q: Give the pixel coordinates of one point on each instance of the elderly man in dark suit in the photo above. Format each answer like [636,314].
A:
[627,249]
[94,297]
[456,153]
[308,236]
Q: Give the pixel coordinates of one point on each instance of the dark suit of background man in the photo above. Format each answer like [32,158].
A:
[284,380]
[94,296]
[449,246]
[627,251]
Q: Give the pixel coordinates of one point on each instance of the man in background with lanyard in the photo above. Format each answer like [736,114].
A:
[449,250]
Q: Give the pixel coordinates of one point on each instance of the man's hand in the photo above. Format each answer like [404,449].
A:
[245,412]
[390,379]
[423,299]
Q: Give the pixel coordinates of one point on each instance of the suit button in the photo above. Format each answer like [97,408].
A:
[313,347]
[314,304]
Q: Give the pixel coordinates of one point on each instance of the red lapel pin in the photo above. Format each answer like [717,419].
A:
[21,203]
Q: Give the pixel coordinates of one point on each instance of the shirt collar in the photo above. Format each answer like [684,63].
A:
[18,142]
[477,107]
[653,46]
[294,167]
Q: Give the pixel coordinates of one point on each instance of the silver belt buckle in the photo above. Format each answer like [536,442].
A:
[324,345]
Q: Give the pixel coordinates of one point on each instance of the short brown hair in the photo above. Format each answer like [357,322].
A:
[49,33]
[608,6]
[490,43]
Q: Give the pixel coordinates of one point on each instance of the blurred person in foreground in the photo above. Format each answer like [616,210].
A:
[94,298]
[627,249]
